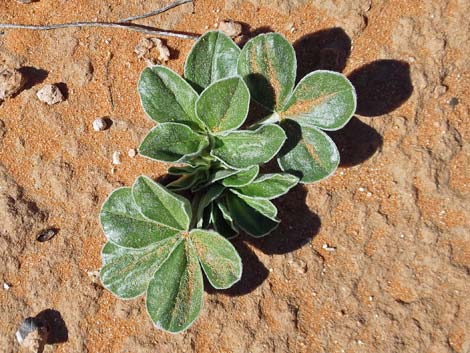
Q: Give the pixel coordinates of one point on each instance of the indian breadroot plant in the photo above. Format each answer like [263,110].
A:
[159,242]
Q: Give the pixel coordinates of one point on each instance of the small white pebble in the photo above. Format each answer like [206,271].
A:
[231,28]
[359,342]
[100,124]
[107,41]
[370,298]
[6,286]
[132,153]
[369,194]
[402,236]
[361,189]
[50,94]
[116,157]
[328,248]
[271,270]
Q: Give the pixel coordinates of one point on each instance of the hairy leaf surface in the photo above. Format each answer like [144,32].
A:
[161,205]
[270,186]
[224,104]
[268,65]
[265,207]
[222,224]
[309,153]
[219,259]
[242,178]
[172,142]
[166,97]
[248,219]
[213,57]
[124,224]
[323,99]
[175,294]
[127,272]
[245,148]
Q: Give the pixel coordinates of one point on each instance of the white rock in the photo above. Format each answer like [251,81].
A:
[50,94]
[11,82]
[100,124]
[144,47]
[6,286]
[231,28]
[132,153]
[116,157]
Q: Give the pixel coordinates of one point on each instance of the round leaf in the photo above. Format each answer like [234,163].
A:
[159,204]
[172,142]
[308,153]
[219,259]
[124,225]
[175,294]
[324,99]
[268,65]
[166,97]
[213,57]
[127,272]
[245,148]
[269,186]
[224,104]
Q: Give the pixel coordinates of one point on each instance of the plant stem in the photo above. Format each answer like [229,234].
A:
[122,24]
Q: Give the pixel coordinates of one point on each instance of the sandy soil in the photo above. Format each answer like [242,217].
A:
[394,218]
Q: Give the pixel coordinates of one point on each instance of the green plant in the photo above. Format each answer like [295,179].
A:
[157,239]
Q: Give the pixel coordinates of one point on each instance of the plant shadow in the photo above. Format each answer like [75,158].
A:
[57,329]
[382,86]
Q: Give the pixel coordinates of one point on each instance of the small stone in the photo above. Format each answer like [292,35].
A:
[26,1]
[454,101]
[50,94]
[11,82]
[132,153]
[231,28]
[46,235]
[100,124]
[116,157]
[144,47]
[328,248]
[6,286]
[32,335]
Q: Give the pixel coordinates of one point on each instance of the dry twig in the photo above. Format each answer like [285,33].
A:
[122,24]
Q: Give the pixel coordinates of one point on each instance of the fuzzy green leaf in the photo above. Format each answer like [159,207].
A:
[186,169]
[213,57]
[222,224]
[224,104]
[248,219]
[185,182]
[308,153]
[270,186]
[127,272]
[219,259]
[159,204]
[172,142]
[175,294]
[323,99]
[242,178]
[124,225]
[213,192]
[166,97]
[245,148]
[265,207]
[268,65]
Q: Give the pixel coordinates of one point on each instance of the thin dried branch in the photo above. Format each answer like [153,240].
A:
[122,24]
[156,12]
